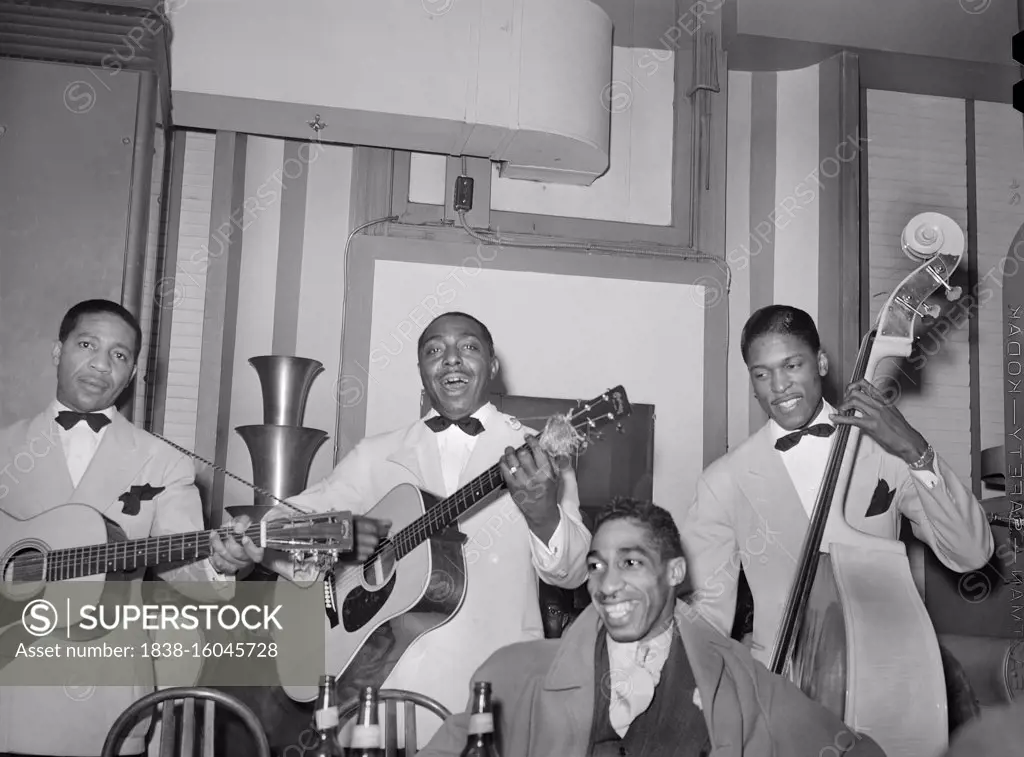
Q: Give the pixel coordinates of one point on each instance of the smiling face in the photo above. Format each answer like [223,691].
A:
[786,375]
[456,366]
[631,583]
[95,362]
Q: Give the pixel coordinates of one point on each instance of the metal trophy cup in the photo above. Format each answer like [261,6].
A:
[281,448]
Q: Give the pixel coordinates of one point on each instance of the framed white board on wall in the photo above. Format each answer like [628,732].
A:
[565,324]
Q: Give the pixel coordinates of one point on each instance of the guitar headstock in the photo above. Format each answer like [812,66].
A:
[567,433]
[939,242]
[329,532]
[602,410]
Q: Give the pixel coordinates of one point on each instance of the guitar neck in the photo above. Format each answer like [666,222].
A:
[446,512]
[78,562]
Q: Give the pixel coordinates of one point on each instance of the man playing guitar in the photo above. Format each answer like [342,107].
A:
[81,450]
[534,529]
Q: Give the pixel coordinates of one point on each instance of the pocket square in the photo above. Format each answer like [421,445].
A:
[881,500]
[134,497]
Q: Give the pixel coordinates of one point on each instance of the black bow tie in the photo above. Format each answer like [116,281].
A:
[470,425]
[68,419]
[790,440]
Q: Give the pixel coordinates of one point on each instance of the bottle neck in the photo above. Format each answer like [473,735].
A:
[481,720]
[368,712]
[325,697]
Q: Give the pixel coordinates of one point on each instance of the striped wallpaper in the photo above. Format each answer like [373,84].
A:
[917,163]
[782,237]
[290,284]
[294,225]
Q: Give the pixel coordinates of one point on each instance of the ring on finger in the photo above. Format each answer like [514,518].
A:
[512,469]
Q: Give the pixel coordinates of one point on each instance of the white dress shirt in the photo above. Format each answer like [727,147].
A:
[80,442]
[455,447]
[634,670]
[805,462]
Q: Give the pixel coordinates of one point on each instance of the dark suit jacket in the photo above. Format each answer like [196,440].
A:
[545,690]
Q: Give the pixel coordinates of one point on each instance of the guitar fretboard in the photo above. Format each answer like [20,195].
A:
[447,511]
[77,562]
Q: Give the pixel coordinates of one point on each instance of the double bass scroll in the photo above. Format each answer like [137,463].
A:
[855,634]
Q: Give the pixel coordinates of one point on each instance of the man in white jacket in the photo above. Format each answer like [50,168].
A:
[532,530]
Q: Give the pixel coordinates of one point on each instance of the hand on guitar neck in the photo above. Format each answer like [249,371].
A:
[533,477]
[881,420]
[229,556]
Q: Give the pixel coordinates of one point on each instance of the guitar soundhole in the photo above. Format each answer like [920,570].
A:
[21,581]
[25,565]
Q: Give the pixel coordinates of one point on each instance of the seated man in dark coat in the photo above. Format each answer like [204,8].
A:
[640,673]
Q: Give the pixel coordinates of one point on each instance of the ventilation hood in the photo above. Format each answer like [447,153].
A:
[523,82]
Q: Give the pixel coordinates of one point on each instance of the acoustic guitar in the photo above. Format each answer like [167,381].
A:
[416,579]
[71,556]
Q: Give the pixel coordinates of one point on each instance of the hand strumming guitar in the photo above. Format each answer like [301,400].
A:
[533,477]
[880,420]
[369,532]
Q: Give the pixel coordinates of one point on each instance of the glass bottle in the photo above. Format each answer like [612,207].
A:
[480,736]
[366,733]
[326,720]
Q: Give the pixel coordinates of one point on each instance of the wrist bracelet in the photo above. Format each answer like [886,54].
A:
[925,461]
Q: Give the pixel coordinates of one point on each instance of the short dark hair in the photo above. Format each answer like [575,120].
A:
[488,339]
[779,319]
[95,307]
[658,522]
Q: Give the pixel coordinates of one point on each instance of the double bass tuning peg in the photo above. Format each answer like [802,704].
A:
[952,293]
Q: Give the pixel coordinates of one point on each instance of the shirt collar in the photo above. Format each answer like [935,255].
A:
[823,417]
[624,653]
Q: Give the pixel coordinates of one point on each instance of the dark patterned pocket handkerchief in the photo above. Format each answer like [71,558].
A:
[881,500]
[134,497]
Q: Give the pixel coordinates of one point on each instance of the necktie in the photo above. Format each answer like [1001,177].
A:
[791,440]
[439,423]
[631,691]
[68,419]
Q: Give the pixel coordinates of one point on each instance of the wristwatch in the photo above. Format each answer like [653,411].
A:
[925,461]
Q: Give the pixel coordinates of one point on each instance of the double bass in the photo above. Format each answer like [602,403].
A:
[855,634]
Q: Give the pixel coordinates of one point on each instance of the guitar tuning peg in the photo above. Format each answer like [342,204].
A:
[953,294]
[931,311]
